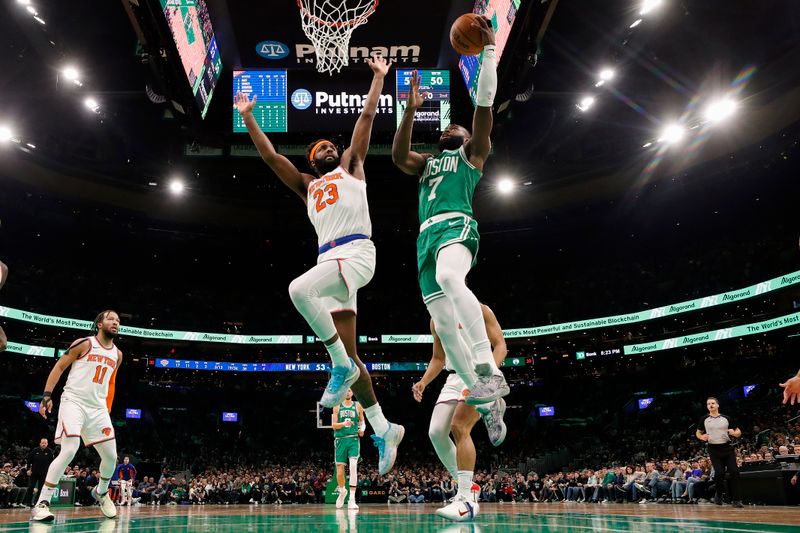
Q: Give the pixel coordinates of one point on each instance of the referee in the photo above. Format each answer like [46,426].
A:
[717,429]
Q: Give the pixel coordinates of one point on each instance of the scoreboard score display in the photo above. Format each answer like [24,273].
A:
[296,101]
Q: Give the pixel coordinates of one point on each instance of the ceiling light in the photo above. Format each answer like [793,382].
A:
[606,74]
[176,186]
[649,5]
[71,73]
[672,133]
[505,186]
[31,10]
[635,23]
[719,110]
[585,103]
[6,134]
[91,104]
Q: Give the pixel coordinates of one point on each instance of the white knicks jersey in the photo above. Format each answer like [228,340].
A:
[337,206]
[89,376]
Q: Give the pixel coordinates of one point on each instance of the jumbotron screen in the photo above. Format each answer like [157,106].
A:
[194,38]
[502,13]
[298,101]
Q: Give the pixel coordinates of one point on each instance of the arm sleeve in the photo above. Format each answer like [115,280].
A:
[487,79]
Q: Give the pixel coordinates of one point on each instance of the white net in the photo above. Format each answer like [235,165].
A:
[328,24]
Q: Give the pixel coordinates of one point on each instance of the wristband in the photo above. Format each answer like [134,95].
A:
[47,394]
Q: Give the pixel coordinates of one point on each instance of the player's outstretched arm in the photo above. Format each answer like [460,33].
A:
[353,157]
[434,367]
[78,349]
[408,161]
[495,334]
[480,145]
[791,389]
[285,169]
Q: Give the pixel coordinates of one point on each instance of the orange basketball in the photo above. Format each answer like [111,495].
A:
[465,39]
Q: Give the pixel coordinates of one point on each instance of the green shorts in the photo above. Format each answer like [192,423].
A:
[345,448]
[462,230]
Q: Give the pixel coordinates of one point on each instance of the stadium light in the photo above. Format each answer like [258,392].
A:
[649,5]
[91,104]
[585,103]
[605,75]
[31,10]
[505,185]
[635,23]
[672,133]
[24,2]
[39,20]
[6,134]
[72,74]
[719,110]
[176,186]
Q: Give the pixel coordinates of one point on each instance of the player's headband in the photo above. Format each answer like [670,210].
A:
[315,148]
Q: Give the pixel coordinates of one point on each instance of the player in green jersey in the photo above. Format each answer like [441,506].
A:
[447,245]
[348,426]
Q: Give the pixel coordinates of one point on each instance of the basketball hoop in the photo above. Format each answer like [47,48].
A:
[328,24]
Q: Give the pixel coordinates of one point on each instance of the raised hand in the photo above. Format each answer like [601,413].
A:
[415,98]
[791,390]
[379,65]
[243,104]
[486,29]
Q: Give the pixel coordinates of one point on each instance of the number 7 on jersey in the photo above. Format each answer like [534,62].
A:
[434,182]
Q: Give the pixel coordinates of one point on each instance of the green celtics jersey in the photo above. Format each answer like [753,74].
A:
[447,184]
[347,413]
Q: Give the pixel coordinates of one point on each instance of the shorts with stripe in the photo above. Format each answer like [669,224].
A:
[453,390]
[431,240]
[93,425]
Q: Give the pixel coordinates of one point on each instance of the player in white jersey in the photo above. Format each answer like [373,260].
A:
[336,201]
[453,414]
[84,410]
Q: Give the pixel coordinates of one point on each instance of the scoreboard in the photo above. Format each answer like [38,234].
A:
[300,101]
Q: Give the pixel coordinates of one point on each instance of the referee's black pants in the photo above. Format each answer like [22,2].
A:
[723,458]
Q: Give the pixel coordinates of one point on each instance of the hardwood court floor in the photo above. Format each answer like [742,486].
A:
[415,518]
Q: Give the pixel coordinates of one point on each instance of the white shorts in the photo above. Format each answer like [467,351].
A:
[453,390]
[356,265]
[75,420]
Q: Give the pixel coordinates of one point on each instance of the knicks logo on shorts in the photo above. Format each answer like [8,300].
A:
[465,393]
[106,432]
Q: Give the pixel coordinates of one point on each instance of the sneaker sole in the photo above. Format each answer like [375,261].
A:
[499,393]
[44,519]
[394,454]
[503,433]
[349,380]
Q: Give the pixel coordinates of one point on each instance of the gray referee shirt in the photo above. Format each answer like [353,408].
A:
[717,428]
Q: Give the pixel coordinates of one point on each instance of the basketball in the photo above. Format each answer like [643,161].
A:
[465,38]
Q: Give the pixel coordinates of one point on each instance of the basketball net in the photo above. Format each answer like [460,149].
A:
[328,24]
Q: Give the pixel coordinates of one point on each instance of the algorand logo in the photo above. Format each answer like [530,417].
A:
[306,54]
[345,103]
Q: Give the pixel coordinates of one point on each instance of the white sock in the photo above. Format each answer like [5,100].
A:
[338,353]
[46,494]
[376,419]
[465,483]
[353,474]
[352,494]
[102,486]
[483,355]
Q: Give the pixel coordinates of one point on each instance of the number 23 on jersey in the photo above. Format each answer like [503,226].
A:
[325,196]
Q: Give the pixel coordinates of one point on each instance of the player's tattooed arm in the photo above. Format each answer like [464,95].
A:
[78,349]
